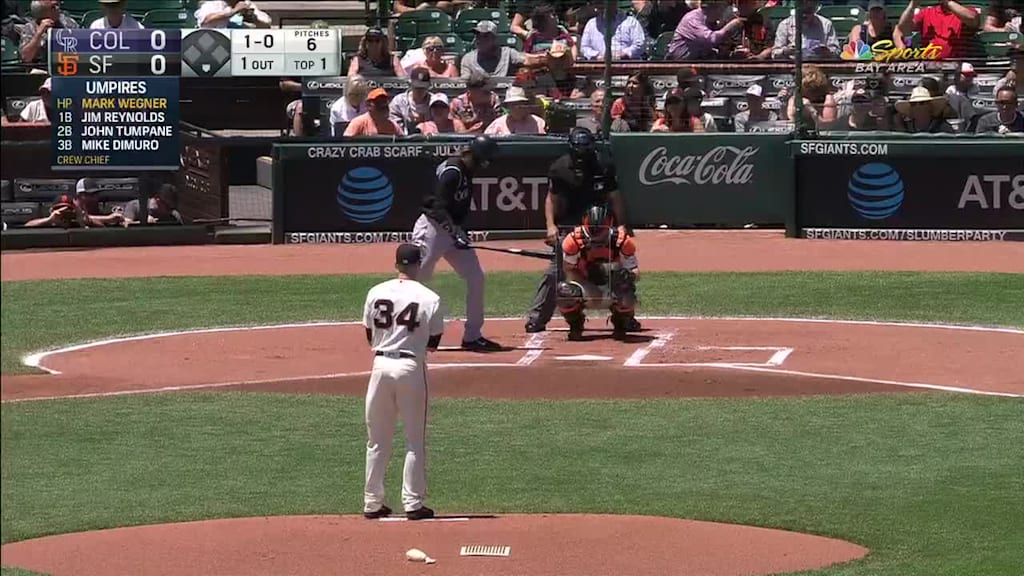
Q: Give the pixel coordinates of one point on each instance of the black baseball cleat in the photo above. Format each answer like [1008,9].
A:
[421,513]
[575,334]
[481,344]
[378,513]
[633,325]
[619,334]
[535,327]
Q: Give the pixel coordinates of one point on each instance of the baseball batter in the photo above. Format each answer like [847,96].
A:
[403,320]
[439,232]
[600,264]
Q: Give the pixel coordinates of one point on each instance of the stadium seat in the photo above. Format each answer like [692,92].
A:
[833,12]
[168,18]
[660,49]
[467,19]
[843,26]
[420,22]
[89,17]
[10,51]
[777,13]
[452,43]
[510,40]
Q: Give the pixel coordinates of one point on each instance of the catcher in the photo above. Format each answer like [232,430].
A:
[600,272]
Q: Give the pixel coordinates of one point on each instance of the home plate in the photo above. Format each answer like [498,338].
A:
[583,357]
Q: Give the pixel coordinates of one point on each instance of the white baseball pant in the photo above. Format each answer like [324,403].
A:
[398,387]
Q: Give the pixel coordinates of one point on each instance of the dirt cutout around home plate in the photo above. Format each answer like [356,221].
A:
[562,545]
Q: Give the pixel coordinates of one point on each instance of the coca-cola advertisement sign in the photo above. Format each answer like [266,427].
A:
[677,179]
[720,165]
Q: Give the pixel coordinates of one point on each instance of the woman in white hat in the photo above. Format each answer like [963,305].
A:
[519,119]
[923,113]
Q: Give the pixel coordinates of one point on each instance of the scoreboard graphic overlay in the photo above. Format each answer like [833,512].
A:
[115,95]
[115,92]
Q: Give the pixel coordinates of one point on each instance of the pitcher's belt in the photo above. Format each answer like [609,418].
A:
[395,355]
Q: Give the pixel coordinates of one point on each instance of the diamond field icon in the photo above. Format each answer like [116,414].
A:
[205,53]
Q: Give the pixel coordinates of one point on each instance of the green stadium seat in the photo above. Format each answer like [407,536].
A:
[660,49]
[833,12]
[90,17]
[10,51]
[843,26]
[172,19]
[510,40]
[426,21]
[777,13]
[997,44]
[452,43]
[467,19]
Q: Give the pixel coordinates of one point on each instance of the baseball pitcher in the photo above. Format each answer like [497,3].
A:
[440,233]
[403,320]
[600,264]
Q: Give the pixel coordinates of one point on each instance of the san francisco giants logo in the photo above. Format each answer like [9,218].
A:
[67,64]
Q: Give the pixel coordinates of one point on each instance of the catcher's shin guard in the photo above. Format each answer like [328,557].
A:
[571,304]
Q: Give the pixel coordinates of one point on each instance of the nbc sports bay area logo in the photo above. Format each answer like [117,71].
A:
[875,191]
[884,56]
[365,195]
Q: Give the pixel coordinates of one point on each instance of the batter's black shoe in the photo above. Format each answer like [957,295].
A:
[481,344]
[575,334]
[535,327]
[421,513]
[633,325]
[381,512]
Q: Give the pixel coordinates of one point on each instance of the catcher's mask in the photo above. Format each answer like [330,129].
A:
[582,145]
[597,223]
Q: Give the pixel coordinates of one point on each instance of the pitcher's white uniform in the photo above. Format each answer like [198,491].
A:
[400,316]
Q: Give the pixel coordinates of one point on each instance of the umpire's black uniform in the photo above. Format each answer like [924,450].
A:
[577,181]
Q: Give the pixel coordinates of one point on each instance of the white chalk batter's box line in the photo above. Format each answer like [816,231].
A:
[778,357]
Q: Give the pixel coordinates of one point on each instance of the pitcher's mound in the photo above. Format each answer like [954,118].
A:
[565,545]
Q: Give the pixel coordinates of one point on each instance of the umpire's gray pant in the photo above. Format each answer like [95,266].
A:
[545,300]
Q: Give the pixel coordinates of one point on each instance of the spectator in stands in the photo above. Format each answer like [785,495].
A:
[867,112]
[949,25]
[231,14]
[628,38]
[547,33]
[1010,79]
[440,121]
[636,107]
[411,107]
[594,122]
[433,59]
[114,16]
[960,94]
[573,13]
[753,41]
[350,105]
[686,76]
[676,118]
[922,112]
[695,40]
[819,104]
[46,14]
[755,111]
[558,81]
[1006,118]
[876,27]
[701,121]
[819,35]
[999,16]
[519,119]
[40,110]
[161,207]
[477,107]
[78,210]
[658,16]
[376,121]
[403,6]
[373,58]
[490,58]
[11,20]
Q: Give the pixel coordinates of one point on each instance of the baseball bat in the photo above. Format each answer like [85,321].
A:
[520,252]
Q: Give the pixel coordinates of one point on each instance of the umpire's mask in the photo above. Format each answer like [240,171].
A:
[582,145]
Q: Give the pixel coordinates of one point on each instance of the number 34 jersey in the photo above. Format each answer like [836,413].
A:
[401,316]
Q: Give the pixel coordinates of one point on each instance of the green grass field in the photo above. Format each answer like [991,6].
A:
[932,484]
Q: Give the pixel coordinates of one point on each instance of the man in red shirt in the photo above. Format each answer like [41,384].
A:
[949,25]
[376,120]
